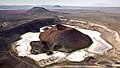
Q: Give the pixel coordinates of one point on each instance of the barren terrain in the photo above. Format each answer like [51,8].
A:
[18,23]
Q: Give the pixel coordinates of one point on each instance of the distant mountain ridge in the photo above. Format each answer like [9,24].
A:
[15,7]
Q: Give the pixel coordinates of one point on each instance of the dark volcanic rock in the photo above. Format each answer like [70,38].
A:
[38,47]
[32,26]
[10,36]
[8,61]
[64,38]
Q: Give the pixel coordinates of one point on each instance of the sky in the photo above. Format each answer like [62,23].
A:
[97,3]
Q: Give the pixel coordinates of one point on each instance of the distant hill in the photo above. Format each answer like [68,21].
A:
[56,6]
[37,10]
[15,7]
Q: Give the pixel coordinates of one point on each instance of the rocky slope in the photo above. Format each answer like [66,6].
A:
[10,36]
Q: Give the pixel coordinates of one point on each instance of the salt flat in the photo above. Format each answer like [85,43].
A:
[99,46]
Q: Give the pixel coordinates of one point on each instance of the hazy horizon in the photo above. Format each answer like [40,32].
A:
[84,3]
